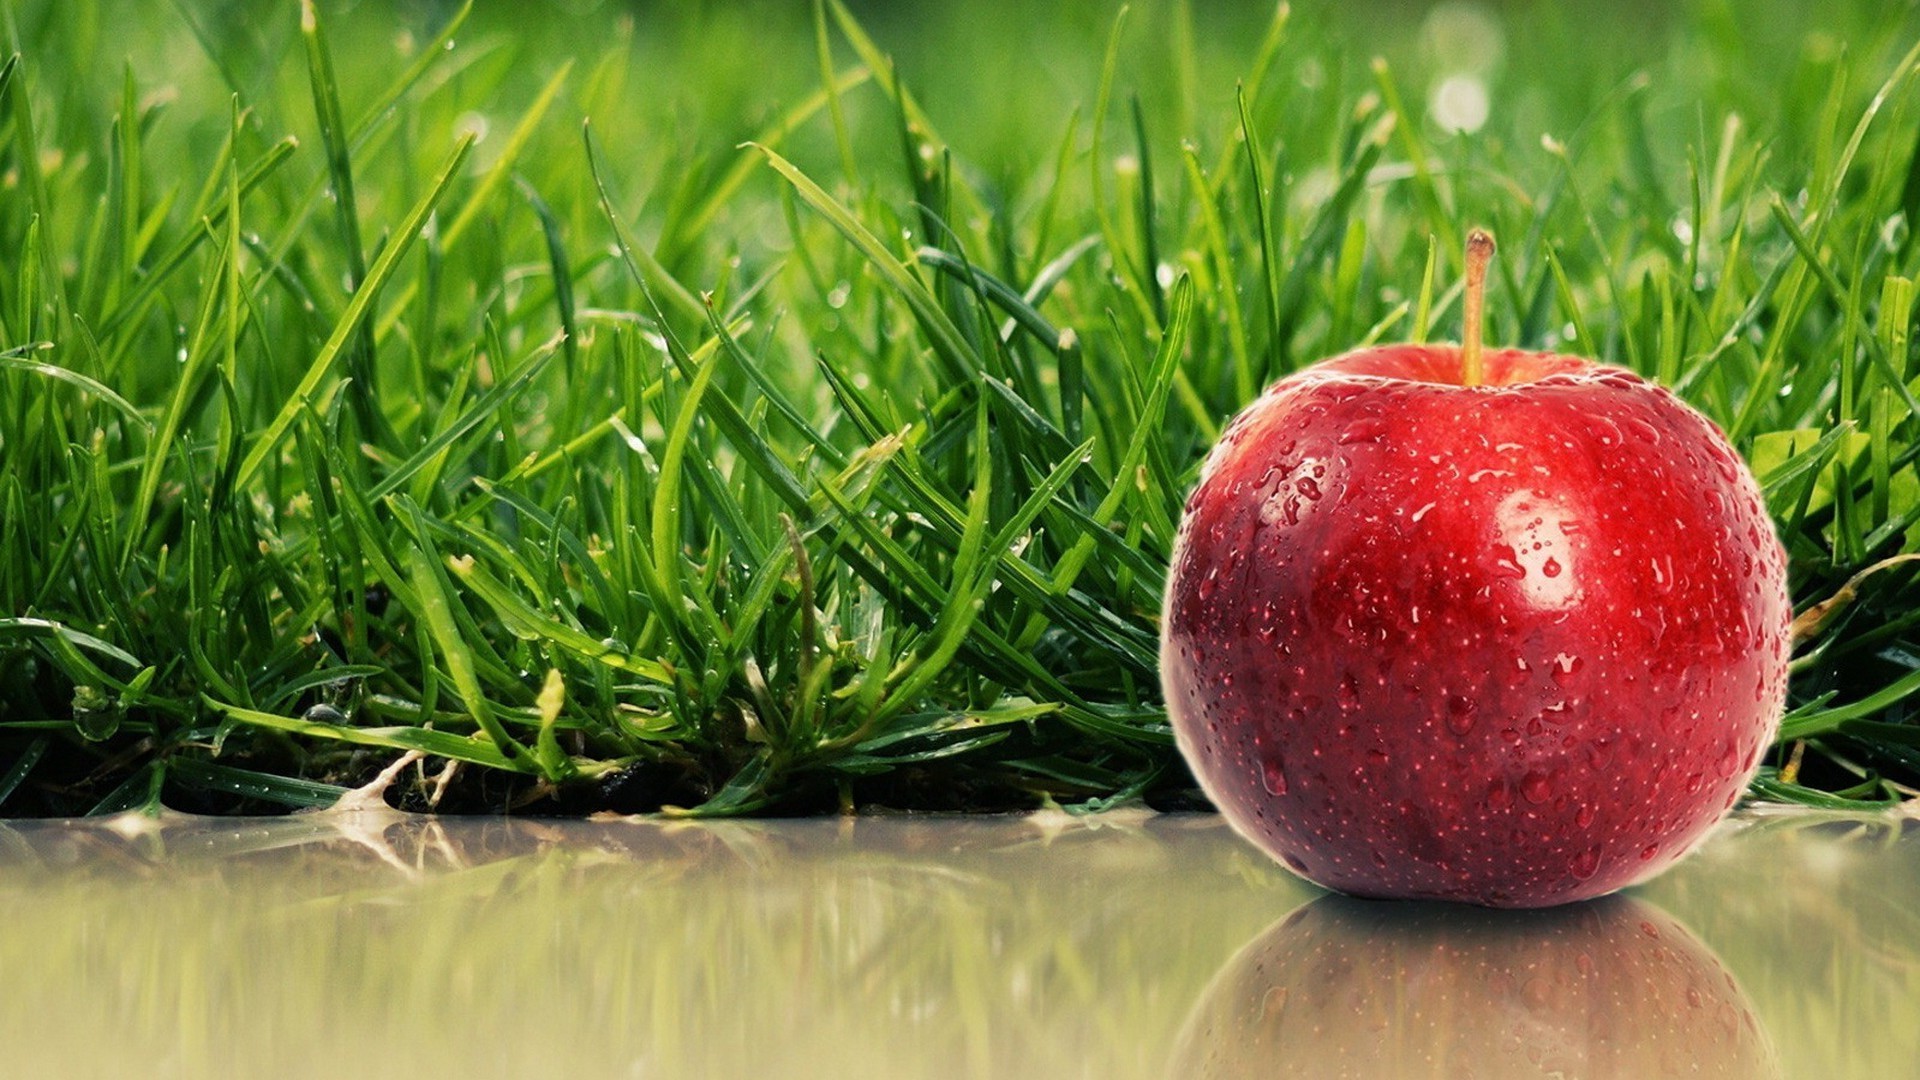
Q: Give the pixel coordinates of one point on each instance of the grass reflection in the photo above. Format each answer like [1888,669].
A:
[898,947]
[907,947]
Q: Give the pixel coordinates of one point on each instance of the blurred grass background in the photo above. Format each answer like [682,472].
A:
[412,379]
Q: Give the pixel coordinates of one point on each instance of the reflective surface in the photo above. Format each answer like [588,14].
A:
[1129,945]
[1348,988]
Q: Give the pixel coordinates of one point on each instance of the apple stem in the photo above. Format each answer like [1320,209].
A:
[1479,253]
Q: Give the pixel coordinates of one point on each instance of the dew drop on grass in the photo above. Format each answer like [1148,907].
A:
[323,714]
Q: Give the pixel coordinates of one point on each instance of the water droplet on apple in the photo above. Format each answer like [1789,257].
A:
[1662,574]
[1460,713]
[1585,863]
[1729,761]
[1282,505]
[1551,567]
[1273,777]
[1585,816]
[1724,460]
[1499,795]
[1536,788]
[1349,692]
[1377,757]
[1641,428]
[1364,430]
[1563,667]
[1646,855]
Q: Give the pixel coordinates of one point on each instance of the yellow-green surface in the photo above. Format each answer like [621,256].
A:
[1117,946]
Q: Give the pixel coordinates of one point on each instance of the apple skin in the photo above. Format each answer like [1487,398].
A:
[1357,988]
[1515,644]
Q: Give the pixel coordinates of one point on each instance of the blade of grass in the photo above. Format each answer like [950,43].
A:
[269,440]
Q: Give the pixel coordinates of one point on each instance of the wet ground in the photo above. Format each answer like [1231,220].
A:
[1128,945]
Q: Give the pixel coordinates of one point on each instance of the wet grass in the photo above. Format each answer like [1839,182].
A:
[760,408]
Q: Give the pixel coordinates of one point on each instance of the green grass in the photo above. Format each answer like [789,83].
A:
[761,408]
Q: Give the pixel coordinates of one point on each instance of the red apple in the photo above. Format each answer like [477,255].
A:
[1506,628]
[1354,988]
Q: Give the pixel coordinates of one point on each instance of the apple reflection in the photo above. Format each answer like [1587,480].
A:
[1356,988]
